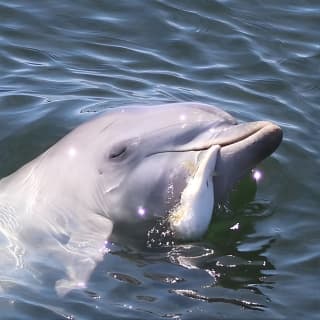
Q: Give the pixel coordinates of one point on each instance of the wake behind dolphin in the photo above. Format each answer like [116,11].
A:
[122,171]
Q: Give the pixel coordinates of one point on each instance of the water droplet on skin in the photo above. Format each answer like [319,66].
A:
[257,175]
[141,211]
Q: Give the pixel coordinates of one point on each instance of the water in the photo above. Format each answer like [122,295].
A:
[63,61]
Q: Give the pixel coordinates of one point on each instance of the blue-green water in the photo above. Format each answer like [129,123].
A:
[60,62]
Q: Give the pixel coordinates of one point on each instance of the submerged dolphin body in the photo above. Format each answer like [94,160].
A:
[123,170]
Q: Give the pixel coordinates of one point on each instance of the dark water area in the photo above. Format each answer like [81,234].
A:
[62,62]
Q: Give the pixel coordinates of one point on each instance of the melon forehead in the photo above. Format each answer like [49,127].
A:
[141,120]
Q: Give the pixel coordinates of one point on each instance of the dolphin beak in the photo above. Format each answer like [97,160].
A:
[243,146]
[222,157]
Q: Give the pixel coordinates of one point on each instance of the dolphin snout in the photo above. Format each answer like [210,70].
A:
[251,143]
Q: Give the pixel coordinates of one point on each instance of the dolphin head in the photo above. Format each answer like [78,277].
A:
[122,171]
[171,160]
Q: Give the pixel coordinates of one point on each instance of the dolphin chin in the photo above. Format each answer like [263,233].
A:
[190,219]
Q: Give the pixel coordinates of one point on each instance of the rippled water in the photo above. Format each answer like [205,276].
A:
[63,61]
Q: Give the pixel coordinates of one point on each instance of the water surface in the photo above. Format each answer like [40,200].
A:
[62,62]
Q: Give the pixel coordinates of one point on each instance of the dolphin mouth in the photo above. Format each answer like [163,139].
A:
[241,132]
[263,137]
[252,133]
[241,147]
[241,135]
[226,157]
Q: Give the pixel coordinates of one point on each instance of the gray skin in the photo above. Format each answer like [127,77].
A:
[122,171]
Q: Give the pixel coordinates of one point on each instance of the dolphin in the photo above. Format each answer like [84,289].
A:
[119,173]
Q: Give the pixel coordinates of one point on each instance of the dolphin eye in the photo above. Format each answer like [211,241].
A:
[118,152]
